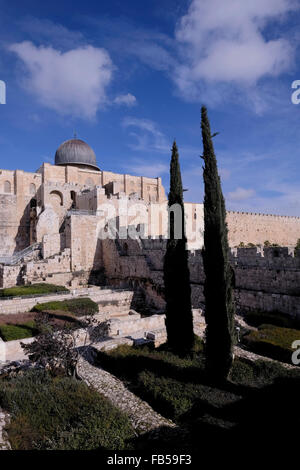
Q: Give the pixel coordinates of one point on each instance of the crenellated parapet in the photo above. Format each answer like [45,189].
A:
[255,228]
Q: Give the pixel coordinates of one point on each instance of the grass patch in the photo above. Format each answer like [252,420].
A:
[33,289]
[78,307]
[174,398]
[57,319]
[178,387]
[259,317]
[61,414]
[272,341]
[12,332]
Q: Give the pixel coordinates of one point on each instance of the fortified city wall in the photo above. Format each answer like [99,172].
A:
[266,278]
[248,227]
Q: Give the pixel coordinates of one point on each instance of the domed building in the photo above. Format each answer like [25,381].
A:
[55,205]
[76,152]
[70,223]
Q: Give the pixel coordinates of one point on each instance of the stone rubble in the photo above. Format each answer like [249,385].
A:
[143,418]
[4,420]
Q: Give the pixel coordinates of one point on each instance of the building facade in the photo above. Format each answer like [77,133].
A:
[53,222]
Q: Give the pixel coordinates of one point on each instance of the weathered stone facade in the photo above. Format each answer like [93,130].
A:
[247,227]
[265,278]
[71,224]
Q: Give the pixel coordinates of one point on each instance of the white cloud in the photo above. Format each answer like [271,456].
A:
[71,83]
[224,173]
[223,51]
[223,41]
[50,33]
[240,194]
[148,137]
[151,171]
[127,100]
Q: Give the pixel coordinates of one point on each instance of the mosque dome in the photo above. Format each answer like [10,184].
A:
[76,152]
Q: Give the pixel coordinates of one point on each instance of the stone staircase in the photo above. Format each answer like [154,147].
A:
[29,253]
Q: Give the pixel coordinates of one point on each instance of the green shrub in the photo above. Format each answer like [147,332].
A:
[60,414]
[175,398]
[260,317]
[178,387]
[79,307]
[127,362]
[272,341]
[12,332]
[34,289]
[259,373]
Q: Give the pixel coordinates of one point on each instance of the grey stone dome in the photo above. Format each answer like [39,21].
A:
[76,152]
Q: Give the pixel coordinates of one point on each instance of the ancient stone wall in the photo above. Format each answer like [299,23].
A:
[258,228]
[266,278]
[17,189]
[107,299]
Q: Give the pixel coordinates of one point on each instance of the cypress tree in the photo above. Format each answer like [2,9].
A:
[179,317]
[218,292]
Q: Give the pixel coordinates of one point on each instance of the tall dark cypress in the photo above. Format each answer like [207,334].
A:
[179,317]
[218,291]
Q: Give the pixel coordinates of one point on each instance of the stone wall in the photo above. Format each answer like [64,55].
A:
[266,278]
[55,190]
[107,299]
[255,228]
[17,188]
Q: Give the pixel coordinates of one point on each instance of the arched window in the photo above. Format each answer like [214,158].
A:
[7,187]
[56,198]
[32,188]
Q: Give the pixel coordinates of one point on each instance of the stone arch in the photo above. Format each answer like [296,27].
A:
[7,187]
[56,198]
[32,188]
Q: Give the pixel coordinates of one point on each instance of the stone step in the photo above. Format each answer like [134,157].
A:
[157,337]
[112,343]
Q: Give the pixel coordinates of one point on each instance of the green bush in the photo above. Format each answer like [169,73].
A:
[12,332]
[178,388]
[60,414]
[127,362]
[174,398]
[259,373]
[260,317]
[272,341]
[79,307]
[34,289]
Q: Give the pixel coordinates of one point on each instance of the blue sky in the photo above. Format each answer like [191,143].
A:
[130,76]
